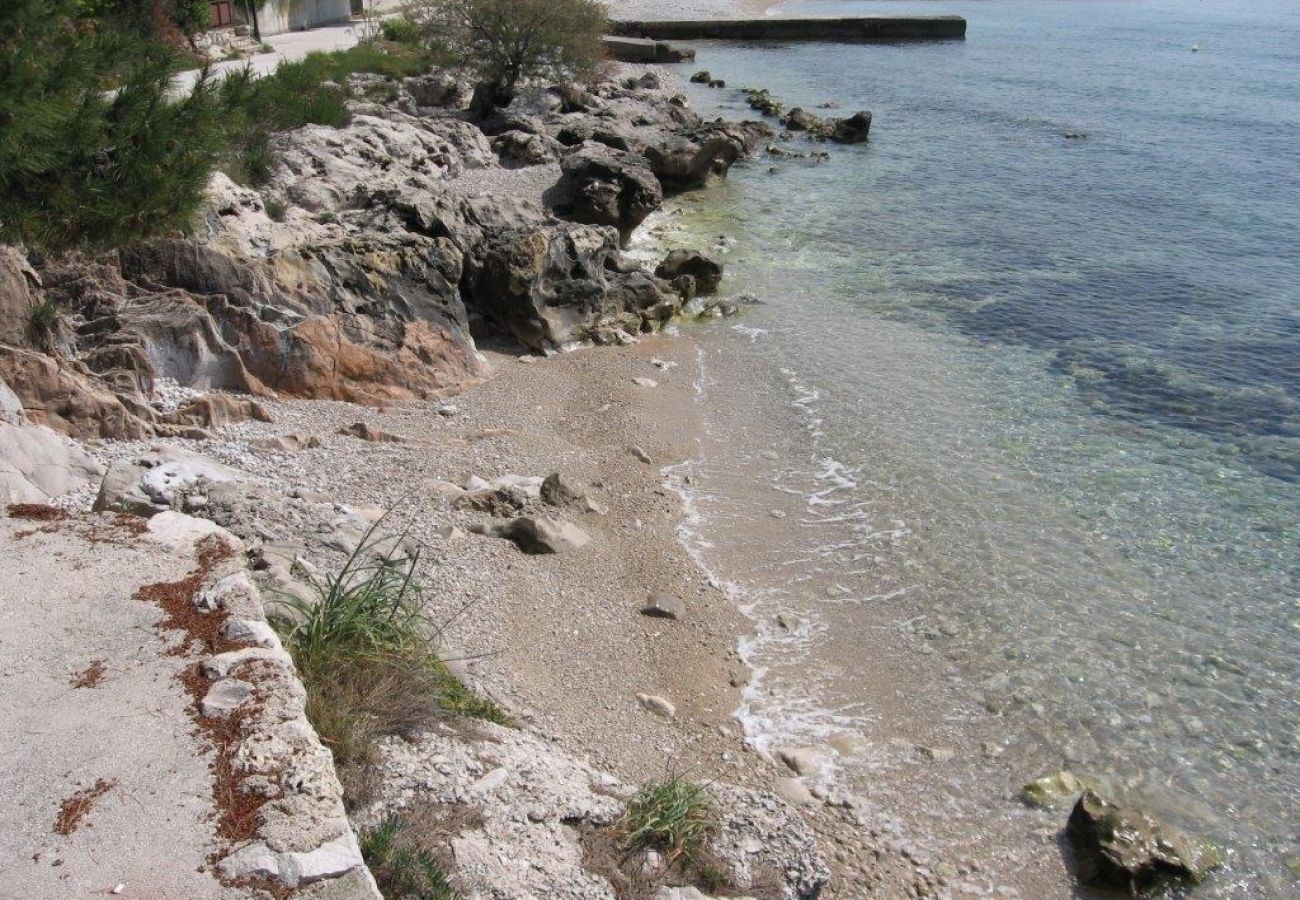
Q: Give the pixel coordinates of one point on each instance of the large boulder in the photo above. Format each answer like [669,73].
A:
[1124,848]
[369,318]
[604,186]
[37,463]
[705,270]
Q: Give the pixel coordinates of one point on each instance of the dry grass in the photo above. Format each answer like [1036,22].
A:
[35,512]
[73,810]
[92,676]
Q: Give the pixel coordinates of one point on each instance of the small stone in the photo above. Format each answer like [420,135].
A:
[793,791]
[937,754]
[640,454]
[447,410]
[664,606]
[657,705]
[645,382]
[365,432]
[787,621]
[539,534]
[559,492]
[776,514]
[449,532]
[804,761]
[225,697]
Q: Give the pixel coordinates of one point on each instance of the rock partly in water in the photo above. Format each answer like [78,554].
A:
[706,270]
[1124,848]
[853,130]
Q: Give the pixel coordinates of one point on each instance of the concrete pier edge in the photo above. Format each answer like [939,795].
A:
[858,28]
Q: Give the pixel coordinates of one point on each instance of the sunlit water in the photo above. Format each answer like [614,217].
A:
[1030,403]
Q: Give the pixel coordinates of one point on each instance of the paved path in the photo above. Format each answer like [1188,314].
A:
[289,46]
[66,604]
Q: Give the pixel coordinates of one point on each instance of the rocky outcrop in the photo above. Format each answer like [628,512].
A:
[355,274]
[1124,848]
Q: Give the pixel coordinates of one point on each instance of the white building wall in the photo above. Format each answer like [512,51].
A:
[278,16]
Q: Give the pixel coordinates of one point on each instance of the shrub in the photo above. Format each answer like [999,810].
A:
[672,816]
[504,42]
[402,867]
[80,166]
[400,30]
[367,653]
[43,321]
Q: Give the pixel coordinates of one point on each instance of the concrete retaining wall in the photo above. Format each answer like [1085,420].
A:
[866,28]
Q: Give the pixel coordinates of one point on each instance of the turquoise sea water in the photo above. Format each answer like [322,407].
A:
[1036,399]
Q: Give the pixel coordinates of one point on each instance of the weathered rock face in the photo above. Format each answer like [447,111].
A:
[363,284]
[1124,848]
[17,280]
[609,187]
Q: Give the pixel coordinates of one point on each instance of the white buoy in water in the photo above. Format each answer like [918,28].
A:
[1196,48]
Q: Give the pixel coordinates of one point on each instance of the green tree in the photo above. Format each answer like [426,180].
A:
[504,42]
[93,150]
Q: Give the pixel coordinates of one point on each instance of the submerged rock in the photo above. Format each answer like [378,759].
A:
[1056,789]
[1125,848]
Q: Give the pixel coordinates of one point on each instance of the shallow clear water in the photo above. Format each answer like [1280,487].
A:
[1031,403]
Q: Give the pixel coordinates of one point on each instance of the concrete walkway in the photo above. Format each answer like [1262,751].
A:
[291,45]
[102,781]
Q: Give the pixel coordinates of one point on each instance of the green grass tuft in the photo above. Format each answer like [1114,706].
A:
[674,817]
[367,653]
[402,868]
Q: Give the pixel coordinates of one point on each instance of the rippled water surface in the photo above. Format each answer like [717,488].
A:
[1029,402]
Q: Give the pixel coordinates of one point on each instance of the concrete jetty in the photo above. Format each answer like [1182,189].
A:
[858,28]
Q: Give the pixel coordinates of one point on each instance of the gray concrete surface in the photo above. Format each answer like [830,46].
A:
[66,602]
